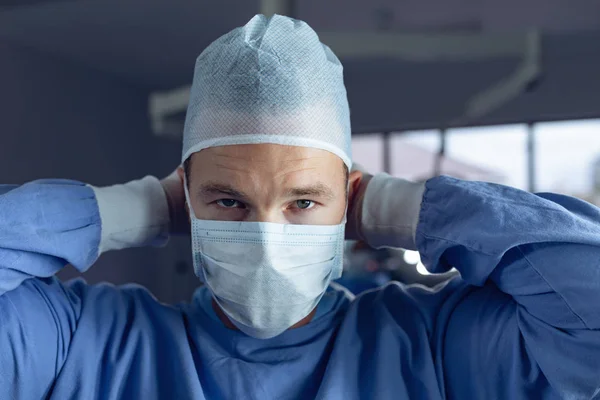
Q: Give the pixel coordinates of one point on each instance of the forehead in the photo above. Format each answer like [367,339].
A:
[266,162]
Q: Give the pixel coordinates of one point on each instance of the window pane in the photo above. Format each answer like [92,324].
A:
[414,154]
[367,150]
[567,158]
[493,154]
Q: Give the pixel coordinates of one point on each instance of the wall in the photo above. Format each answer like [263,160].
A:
[62,120]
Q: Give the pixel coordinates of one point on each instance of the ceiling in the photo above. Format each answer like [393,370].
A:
[153,44]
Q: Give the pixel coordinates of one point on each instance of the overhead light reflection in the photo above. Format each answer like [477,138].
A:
[412,257]
[422,270]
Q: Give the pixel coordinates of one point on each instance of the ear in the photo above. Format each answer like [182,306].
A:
[354,180]
[181,175]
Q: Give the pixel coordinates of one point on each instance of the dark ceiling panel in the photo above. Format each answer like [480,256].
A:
[451,15]
[11,4]
[150,43]
[154,43]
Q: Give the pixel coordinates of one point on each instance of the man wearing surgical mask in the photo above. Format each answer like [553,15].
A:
[268,190]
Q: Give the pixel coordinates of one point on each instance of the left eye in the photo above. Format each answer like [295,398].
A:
[228,203]
[304,204]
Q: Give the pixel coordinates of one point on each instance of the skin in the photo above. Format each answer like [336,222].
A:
[269,183]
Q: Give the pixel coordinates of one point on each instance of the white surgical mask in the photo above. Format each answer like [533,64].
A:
[266,276]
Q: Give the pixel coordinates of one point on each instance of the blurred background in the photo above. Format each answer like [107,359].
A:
[506,92]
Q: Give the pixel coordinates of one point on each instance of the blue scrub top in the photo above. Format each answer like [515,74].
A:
[523,321]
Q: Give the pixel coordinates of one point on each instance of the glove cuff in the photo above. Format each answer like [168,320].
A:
[390,212]
[133,214]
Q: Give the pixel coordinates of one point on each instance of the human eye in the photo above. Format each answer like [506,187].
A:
[305,204]
[229,203]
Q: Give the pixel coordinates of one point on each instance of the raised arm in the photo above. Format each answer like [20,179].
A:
[528,323]
[45,225]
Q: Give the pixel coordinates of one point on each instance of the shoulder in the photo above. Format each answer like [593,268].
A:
[409,305]
[110,308]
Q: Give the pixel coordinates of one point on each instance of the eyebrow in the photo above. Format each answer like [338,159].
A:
[214,188]
[318,189]
[315,190]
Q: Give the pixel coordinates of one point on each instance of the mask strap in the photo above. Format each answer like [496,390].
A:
[347,201]
[187,196]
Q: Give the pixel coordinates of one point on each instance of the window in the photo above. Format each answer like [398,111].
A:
[413,154]
[567,158]
[566,155]
[493,154]
[367,150]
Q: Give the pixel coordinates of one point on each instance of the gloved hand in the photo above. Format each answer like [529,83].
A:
[355,204]
[173,187]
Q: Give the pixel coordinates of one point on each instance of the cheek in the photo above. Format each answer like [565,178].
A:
[211,213]
[340,212]
[202,211]
[331,214]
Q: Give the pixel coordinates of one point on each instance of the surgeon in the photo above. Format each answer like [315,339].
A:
[269,192]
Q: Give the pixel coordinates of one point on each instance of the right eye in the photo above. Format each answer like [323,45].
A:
[229,203]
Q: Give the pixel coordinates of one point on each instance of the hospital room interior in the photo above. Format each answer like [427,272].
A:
[479,90]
